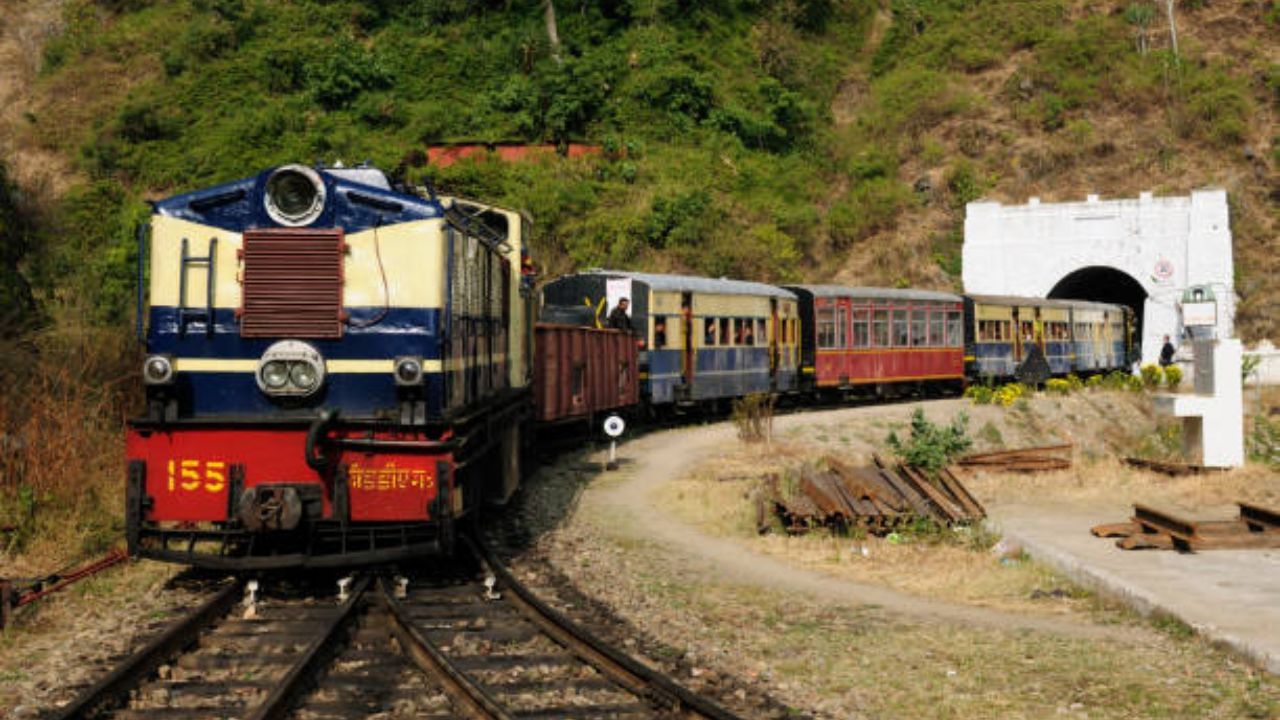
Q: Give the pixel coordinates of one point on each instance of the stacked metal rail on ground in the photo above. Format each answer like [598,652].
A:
[1255,528]
[876,499]
[1032,459]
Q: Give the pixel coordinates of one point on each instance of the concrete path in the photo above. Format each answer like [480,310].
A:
[1229,596]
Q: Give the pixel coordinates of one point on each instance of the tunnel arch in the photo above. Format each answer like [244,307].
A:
[1101,283]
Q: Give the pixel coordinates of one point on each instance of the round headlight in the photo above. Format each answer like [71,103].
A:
[157,370]
[408,371]
[303,375]
[275,374]
[295,195]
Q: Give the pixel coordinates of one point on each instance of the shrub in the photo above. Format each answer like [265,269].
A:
[931,446]
[1074,382]
[1010,393]
[1058,386]
[753,416]
[1151,376]
[1263,442]
[980,394]
[1172,377]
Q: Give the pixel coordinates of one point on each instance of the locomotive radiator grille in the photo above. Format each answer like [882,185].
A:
[292,283]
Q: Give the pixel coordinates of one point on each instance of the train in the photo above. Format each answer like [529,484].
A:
[340,371]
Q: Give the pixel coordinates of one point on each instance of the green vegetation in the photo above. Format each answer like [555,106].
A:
[730,147]
[929,445]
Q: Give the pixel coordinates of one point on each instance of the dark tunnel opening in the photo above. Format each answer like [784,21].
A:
[1104,284]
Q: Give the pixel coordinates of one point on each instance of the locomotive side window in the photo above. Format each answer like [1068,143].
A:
[880,328]
[901,329]
[861,328]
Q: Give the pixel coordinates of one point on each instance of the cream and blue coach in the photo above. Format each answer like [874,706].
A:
[701,339]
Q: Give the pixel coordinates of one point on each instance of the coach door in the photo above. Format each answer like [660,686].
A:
[775,338]
[687,360]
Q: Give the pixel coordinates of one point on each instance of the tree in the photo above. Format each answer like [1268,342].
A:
[553,33]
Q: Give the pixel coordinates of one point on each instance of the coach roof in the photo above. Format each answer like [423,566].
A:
[691,283]
[871,293]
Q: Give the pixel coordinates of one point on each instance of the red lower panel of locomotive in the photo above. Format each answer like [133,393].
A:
[206,474]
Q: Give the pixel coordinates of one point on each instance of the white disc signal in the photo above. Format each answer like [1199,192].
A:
[614,425]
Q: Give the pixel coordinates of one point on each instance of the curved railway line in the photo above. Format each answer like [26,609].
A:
[468,642]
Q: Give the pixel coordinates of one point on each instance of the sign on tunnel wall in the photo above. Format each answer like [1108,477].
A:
[1143,252]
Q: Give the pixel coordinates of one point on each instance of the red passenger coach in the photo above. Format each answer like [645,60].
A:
[877,337]
[582,372]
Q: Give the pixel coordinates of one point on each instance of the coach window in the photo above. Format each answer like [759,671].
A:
[919,327]
[954,329]
[710,332]
[725,337]
[827,328]
[901,328]
[937,322]
[762,333]
[880,328]
[842,328]
[659,331]
[861,327]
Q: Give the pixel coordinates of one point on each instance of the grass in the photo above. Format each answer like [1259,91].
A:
[61,470]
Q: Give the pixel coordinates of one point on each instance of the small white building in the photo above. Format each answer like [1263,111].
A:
[1143,252]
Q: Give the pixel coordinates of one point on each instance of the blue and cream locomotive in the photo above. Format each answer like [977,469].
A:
[336,370]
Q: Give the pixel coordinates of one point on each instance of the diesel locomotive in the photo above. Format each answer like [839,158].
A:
[335,372]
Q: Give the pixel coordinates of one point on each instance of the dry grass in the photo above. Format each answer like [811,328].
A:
[720,497]
[841,662]
[62,455]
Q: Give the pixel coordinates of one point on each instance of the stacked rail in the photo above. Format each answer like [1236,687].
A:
[876,499]
[1256,527]
[1032,459]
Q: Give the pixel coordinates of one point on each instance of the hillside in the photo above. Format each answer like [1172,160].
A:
[768,139]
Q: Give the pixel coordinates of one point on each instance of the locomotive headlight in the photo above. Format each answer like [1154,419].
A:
[408,371]
[303,375]
[275,374]
[157,370]
[290,368]
[295,195]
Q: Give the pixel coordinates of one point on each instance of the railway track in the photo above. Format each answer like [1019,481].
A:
[469,641]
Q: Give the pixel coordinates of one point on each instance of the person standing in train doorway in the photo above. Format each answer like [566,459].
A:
[619,319]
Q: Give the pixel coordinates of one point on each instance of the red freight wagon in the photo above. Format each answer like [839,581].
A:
[857,336]
[583,371]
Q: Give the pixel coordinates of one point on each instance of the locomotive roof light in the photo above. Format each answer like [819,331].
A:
[408,371]
[157,370]
[295,195]
[290,368]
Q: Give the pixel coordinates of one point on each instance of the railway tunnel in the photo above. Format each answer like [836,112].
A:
[1100,283]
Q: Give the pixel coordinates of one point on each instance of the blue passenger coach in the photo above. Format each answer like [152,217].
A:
[701,339]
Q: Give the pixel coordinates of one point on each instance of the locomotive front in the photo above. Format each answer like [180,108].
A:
[335,374]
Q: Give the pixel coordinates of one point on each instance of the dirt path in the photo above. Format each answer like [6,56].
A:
[661,457]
